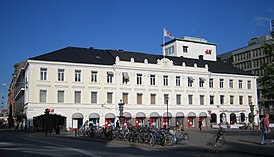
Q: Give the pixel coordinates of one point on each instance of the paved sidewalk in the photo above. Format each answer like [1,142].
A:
[239,141]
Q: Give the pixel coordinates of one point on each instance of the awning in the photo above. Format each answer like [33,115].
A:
[110,115]
[169,114]
[77,115]
[191,114]
[94,115]
[140,115]
[125,74]
[191,78]
[154,115]
[127,115]
[202,114]
[202,79]
[110,73]
[180,114]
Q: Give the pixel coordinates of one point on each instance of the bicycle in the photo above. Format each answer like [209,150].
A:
[218,140]
[178,137]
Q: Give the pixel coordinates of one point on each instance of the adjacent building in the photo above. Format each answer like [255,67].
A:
[181,87]
[250,58]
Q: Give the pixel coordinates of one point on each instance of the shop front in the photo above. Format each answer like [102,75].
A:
[109,121]
[154,120]
[140,119]
[94,119]
[191,119]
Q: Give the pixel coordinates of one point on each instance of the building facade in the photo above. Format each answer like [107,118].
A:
[250,58]
[87,84]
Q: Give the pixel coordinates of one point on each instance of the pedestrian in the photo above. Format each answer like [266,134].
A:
[117,124]
[200,124]
[264,127]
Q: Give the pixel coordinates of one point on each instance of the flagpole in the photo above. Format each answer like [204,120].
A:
[164,42]
[270,25]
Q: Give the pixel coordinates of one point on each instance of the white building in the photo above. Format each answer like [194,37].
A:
[191,47]
[86,84]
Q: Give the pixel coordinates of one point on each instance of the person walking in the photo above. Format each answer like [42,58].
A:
[264,127]
[200,123]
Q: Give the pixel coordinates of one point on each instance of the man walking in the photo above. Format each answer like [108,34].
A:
[264,127]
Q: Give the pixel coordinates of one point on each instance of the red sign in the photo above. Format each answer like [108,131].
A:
[208,52]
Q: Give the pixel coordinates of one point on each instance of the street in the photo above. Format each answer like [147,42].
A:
[239,143]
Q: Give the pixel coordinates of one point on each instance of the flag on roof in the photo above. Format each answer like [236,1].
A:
[168,34]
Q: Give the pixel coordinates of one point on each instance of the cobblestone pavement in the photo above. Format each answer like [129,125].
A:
[237,141]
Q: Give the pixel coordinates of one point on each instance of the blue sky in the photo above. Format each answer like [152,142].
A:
[33,27]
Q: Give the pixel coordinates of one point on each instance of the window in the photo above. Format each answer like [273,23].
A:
[109,97]
[202,100]
[152,80]
[61,96]
[178,99]
[43,74]
[249,100]
[241,100]
[61,74]
[211,83]
[94,76]
[178,80]
[185,49]
[169,50]
[125,98]
[153,99]
[230,83]
[190,101]
[165,80]
[190,81]
[77,76]
[166,99]
[125,78]
[93,97]
[139,98]
[109,77]
[201,82]
[211,101]
[240,84]
[222,99]
[231,99]
[139,79]
[43,95]
[77,97]
[221,83]
[248,84]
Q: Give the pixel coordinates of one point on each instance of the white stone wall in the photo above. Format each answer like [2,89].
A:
[164,67]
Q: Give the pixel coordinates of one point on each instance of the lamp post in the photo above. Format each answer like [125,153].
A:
[10,118]
[121,114]
[167,123]
[251,112]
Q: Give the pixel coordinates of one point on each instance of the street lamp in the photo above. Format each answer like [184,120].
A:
[121,114]
[10,118]
[167,123]
[251,112]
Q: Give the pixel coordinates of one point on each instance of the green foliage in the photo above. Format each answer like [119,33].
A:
[267,80]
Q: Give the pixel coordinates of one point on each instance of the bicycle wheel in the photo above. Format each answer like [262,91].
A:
[183,138]
[152,141]
[217,141]
[169,140]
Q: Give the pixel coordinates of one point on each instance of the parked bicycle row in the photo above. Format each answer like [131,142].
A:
[150,136]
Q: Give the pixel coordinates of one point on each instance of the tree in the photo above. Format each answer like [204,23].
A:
[267,80]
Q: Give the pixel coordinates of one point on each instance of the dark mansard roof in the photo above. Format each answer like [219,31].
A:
[107,57]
